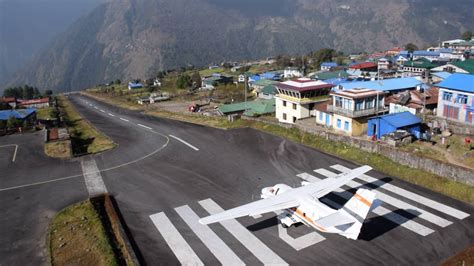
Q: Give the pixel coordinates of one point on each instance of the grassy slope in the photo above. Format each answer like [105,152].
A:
[380,163]
[84,137]
[47,113]
[77,236]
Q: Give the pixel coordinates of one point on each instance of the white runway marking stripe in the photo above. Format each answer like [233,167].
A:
[111,114]
[123,119]
[250,241]
[396,202]
[94,183]
[102,111]
[184,142]
[409,195]
[143,126]
[380,210]
[175,240]
[96,107]
[217,247]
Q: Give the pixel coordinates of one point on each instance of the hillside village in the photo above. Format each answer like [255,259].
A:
[419,100]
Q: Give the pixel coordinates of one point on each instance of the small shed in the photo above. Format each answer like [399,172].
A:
[385,124]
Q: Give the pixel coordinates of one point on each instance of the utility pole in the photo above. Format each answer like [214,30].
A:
[245,91]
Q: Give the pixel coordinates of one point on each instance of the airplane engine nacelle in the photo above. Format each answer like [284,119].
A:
[275,190]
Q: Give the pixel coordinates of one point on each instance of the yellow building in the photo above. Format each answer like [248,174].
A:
[348,111]
[296,98]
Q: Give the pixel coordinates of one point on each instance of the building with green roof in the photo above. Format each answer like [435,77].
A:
[268,92]
[330,75]
[252,108]
[464,67]
[416,67]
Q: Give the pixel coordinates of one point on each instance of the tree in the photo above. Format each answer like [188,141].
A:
[410,47]
[196,80]
[467,35]
[322,55]
[118,82]
[183,81]
[12,122]
[283,61]
[340,60]
[48,92]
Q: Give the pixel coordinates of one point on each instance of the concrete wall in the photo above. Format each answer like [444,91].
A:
[448,170]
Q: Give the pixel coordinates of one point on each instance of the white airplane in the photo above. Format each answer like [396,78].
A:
[302,205]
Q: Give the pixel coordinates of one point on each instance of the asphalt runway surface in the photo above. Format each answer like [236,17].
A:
[164,174]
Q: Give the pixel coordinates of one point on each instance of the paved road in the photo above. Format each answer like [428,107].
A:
[164,174]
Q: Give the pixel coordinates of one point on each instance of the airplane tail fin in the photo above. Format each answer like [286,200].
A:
[358,207]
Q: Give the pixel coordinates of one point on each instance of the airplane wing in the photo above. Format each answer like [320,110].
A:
[288,199]
[278,202]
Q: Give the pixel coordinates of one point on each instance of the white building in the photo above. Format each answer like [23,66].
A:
[295,99]
[292,72]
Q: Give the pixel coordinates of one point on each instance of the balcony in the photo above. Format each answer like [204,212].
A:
[355,114]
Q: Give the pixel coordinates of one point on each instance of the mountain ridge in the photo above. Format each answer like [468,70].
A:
[129,39]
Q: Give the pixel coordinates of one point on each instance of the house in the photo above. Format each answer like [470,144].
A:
[11,101]
[295,99]
[386,85]
[156,82]
[430,55]
[134,85]
[152,98]
[437,77]
[209,83]
[384,64]
[413,101]
[386,124]
[330,75]
[365,66]
[465,67]
[28,115]
[394,51]
[268,92]
[456,98]
[252,108]
[417,67]
[260,84]
[448,43]
[328,66]
[292,72]
[273,75]
[400,60]
[348,110]
[460,49]
[35,103]
[446,54]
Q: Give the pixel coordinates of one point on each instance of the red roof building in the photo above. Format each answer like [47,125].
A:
[35,103]
[365,66]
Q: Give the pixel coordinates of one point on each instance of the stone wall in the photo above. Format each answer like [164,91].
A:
[457,173]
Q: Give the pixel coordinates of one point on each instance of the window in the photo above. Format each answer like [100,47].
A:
[284,104]
[338,123]
[451,112]
[369,103]
[284,116]
[321,116]
[359,105]
[338,101]
[294,106]
[462,99]
[447,96]
[346,126]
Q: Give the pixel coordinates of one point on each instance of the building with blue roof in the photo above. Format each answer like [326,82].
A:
[386,85]
[21,115]
[134,85]
[328,66]
[456,98]
[386,124]
[430,55]
[437,77]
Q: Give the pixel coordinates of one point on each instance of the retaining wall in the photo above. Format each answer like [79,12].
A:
[457,173]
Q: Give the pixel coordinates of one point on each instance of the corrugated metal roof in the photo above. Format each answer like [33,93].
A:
[425,53]
[467,65]
[329,64]
[18,114]
[442,74]
[384,85]
[400,120]
[459,82]
[251,108]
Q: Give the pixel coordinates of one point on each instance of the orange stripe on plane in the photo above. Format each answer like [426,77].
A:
[363,200]
[300,214]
